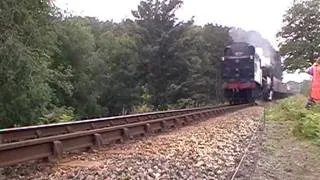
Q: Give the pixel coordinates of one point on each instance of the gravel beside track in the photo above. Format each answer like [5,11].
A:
[208,150]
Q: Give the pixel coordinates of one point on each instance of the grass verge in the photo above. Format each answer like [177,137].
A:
[306,122]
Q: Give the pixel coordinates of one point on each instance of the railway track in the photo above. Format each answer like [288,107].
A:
[51,141]
[33,132]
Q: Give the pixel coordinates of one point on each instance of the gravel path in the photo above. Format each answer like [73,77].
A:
[249,163]
[207,150]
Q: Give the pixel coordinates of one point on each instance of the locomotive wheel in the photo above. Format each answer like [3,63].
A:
[233,102]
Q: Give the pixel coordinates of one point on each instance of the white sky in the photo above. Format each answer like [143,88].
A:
[264,16]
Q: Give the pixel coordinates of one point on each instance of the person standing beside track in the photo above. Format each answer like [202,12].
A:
[314,95]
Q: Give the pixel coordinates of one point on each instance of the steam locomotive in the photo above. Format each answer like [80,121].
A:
[245,78]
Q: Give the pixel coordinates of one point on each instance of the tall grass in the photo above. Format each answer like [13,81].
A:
[307,122]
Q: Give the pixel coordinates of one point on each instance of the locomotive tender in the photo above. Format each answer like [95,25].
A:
[245,79]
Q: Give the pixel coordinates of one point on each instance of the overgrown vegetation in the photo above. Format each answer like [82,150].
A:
[56,67]
[300,47]
[307,121]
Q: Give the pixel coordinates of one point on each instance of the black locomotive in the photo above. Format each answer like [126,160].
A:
[245,79]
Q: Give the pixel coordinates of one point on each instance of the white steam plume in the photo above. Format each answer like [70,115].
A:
[265,61]
[263,47]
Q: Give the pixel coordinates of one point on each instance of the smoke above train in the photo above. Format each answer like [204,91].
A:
[268,55]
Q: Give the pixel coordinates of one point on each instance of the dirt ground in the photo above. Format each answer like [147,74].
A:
[277,154]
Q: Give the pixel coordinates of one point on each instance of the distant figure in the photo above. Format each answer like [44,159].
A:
[314,95]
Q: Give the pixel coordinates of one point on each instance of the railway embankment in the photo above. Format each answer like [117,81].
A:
[290,143]
[273,141]
[210,149]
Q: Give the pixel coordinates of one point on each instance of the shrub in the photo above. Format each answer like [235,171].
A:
[289,109]
[58,115]
[308,127]
[182,104]
[306,122]
[144,108]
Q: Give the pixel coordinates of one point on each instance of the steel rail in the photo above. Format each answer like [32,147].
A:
[33,132]
[53,147]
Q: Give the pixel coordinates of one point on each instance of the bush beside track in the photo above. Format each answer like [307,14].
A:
[281,95]
[307,122]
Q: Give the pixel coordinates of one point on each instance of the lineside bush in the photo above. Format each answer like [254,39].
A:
[306,122]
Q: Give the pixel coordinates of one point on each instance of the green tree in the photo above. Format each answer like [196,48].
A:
[162,63]
[301,35]
[117,77]
[203,47]
[76,55]
[27,41]
[216,39]
[54,66]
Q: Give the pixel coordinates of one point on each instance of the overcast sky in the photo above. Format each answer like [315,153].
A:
[264,16]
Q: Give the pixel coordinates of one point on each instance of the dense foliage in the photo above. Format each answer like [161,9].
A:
[27,44]
[306,121]
[301,35]
[58,68]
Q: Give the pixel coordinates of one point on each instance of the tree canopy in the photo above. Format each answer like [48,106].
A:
[27,44]
[300,35]
[57,67]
